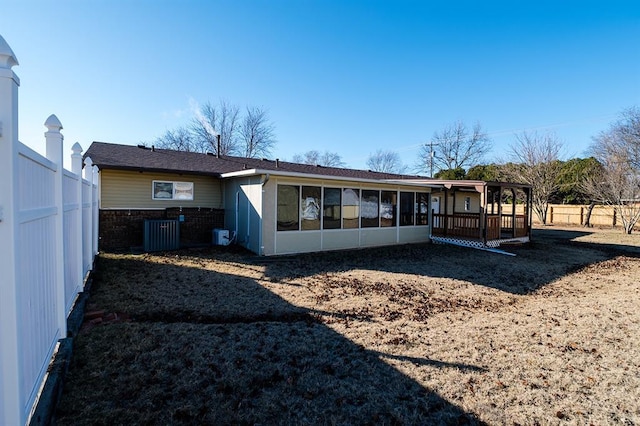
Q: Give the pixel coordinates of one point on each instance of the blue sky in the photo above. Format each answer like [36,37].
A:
[345,76]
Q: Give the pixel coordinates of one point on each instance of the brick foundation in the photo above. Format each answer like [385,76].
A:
[123,229]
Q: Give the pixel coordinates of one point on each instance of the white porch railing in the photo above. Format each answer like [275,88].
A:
[48,240]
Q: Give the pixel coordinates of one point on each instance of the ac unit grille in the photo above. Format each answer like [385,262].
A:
[161,235]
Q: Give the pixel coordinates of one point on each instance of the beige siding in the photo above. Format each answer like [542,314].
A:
[458,201]
[129,189]
[474,202]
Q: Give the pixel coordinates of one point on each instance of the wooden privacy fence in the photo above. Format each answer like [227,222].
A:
[48,240]
[576,215]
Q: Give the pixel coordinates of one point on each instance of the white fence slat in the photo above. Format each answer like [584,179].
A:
[43,235]
[12,399]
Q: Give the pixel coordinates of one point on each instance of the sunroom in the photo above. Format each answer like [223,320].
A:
[285,213]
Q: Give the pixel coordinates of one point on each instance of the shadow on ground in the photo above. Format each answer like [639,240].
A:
[201,347]
[552,254]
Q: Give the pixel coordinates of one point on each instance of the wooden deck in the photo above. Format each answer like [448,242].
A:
[468,226]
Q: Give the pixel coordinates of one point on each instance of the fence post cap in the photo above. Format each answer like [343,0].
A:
[88,162]
[53,124]
[76,148]
[7,57]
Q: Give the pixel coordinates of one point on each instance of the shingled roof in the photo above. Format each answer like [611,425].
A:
[143,158]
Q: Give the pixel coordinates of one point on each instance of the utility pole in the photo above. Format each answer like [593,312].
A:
[432,154]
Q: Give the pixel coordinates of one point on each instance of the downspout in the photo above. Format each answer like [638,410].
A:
[237,209]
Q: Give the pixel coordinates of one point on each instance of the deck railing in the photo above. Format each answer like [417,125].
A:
[520,229]
[467,225]
[493,227]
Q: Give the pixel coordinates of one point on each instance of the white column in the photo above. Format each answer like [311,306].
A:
[88,230]
[11,392]
[95,209]
[76,168]
[54,141]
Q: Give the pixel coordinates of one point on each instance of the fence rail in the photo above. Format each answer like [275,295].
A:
[576,215]
[48,240]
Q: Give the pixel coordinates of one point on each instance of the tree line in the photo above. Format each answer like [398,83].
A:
[610,175]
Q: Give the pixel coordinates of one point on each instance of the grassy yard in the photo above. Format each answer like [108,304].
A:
[417,334]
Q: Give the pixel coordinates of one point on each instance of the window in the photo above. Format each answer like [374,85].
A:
[369,208]
[331,208]
[388,204]
[350,208]
[288,211]
[406,208]
[304,208]
[311,203]
[422,208]
[163,190]
[467,204]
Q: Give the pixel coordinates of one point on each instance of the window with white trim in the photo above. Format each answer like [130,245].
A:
[170,190]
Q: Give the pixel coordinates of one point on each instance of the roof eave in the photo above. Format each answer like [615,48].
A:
[158,170]
[259,172]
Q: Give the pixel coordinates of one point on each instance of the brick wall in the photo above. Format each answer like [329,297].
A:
[123,229]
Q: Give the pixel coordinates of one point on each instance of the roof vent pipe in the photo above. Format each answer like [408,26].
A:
[277,162]
[218,150]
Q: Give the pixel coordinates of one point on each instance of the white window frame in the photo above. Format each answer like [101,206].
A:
[185,190]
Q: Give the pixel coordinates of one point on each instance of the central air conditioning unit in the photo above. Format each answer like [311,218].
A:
[160,235]
[221,237]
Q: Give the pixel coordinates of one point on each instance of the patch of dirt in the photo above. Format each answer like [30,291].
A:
[419,334]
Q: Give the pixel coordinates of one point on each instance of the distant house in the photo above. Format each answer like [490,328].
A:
[272,207]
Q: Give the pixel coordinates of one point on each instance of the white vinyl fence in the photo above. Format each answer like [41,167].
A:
[48,240]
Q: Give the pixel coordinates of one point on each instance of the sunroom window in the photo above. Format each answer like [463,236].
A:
[288,210]
[331,208]
[406,208]
[369,208]
[422,208]
[350,208]
[388,205]
[311,203]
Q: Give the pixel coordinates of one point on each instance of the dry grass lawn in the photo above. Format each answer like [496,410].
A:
[419,334]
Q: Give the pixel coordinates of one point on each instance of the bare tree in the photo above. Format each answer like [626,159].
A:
[536,162]
[179,139]
[455,147]
[618,150]
[211,121]
[326,158]
[386,162]
[256,137]
[251,135]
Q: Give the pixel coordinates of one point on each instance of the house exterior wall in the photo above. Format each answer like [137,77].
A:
[132,189]
[456,201]
[243,211]
[123,229]
[276,242]
[460,200]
